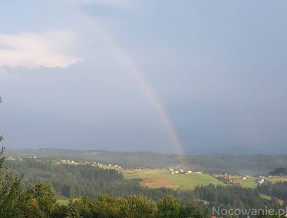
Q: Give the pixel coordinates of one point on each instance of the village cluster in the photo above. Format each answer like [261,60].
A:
[90,163]
[226,177]
[181,171]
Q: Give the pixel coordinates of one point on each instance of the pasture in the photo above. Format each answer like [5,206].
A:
[153,178]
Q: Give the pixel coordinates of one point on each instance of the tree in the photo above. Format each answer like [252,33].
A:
[1,137]
[169,207]
[80,207]
[189,211]
[106,206]
[12,199]
[33,209]
[45,197]
[140,206]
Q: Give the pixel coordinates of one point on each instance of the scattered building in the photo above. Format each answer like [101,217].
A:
[261,180]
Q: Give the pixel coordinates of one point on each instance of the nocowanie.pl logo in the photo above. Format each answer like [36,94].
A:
[221,212]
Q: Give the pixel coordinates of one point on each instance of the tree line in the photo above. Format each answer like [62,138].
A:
[73,181]
[276,190]
[233,196]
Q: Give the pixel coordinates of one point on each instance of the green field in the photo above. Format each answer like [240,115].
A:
[192,180]
[267,197]
[251,182]
[62,200]
[248,183]
[274,179]
[161,178]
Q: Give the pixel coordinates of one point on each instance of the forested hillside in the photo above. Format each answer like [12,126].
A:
[233,197]
[278,190]
[39,200]
[73,181]
[279,172]
[250,164]
[128,199]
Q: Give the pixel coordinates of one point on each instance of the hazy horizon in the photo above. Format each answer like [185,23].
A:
[139,75]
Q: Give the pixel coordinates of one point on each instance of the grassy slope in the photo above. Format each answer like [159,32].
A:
[193,180]
[248,183]
[274,179]
[150,177]
[188,181]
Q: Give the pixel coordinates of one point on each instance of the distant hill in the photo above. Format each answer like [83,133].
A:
[144,159]
[230,150]
[217,163]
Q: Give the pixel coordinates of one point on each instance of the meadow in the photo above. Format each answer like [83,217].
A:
[156,178]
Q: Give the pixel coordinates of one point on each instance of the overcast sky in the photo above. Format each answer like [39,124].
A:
[74,74]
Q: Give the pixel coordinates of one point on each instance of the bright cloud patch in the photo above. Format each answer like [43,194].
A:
[33,50]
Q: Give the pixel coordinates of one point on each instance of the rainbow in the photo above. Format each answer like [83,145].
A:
[127,61]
